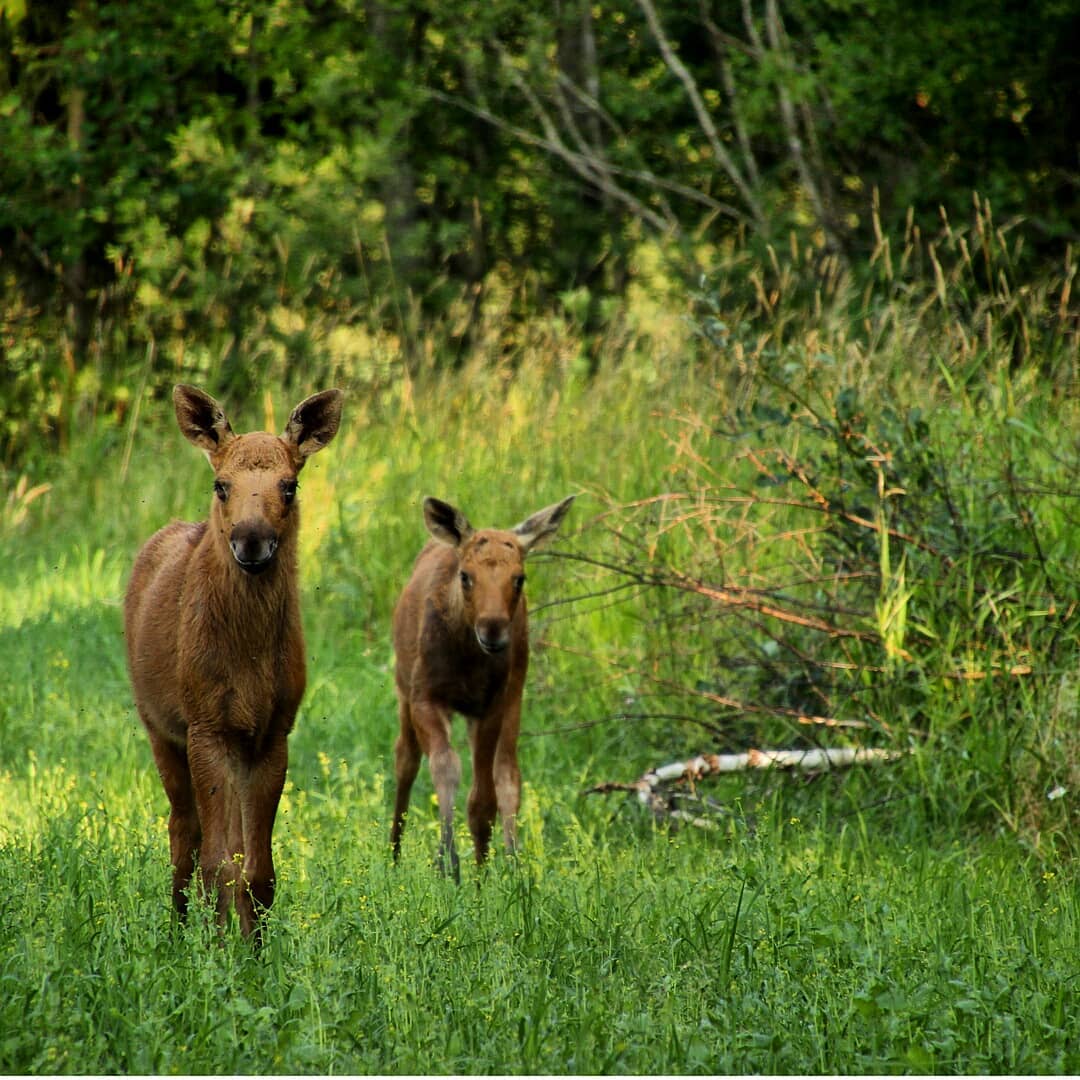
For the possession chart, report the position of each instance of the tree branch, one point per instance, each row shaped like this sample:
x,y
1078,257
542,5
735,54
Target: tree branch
x,y
654,789
551,142
721,44
720,153
802,718
778,43
646,176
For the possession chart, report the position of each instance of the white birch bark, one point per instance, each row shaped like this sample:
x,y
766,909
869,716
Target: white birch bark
x,y
652,786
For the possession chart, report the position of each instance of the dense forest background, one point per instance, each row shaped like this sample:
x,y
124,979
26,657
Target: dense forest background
x,y
260,187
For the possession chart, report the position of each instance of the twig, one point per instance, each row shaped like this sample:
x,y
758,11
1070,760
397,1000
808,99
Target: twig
x,y
559,601
720,699
821,504
777,41
683,718
734,596
721,43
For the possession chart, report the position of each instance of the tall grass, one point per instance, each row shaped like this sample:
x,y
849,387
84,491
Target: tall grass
x,y
916,917
816,945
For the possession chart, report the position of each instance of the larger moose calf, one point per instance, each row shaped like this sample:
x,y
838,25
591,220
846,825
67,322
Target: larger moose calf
x,y
461,642
216,650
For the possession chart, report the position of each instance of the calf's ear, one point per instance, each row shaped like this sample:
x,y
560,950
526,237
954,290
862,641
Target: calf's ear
x,y
314,422
446,523
544,523
202,420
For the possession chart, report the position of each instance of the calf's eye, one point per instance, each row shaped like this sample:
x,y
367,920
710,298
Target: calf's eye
x,y
288,490
466,580
221,490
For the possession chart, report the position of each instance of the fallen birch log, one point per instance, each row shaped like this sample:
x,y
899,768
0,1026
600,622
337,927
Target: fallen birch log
x,y
652,788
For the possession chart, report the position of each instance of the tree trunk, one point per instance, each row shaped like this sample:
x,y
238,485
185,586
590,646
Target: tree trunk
x,y
75,270
398,187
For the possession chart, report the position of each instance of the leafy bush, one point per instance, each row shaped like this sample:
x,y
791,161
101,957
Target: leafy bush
x,y
855,540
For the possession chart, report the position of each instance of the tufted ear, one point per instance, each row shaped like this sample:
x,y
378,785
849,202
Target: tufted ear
x,y
314,422
446,523
544,523
201,419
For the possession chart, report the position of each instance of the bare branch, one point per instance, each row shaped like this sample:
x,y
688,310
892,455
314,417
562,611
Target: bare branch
x,y
720,153
732,596
592,153
756,45
647,176
722,44
778,43
585,166
684,718
671,686
658,789
551,142
561,600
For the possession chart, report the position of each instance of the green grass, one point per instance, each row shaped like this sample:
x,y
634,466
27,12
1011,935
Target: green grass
x,y
805,946
919,917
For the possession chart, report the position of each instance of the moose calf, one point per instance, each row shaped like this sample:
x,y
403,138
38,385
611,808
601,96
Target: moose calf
x,y
461,644
216,651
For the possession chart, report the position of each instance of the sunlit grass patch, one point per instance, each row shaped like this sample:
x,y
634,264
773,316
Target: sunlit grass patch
x,y
78,576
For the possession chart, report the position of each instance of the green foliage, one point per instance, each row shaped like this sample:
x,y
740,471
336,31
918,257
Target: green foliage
x,y
972,88
247,189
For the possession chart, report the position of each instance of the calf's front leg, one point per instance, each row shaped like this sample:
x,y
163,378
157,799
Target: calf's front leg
x,y
507,775
220,814
482,804
184,831
260,794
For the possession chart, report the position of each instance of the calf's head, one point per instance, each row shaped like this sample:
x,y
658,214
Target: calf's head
x,y
491,565
255,474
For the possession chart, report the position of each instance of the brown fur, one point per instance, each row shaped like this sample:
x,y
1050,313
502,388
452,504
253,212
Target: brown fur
x,y
216,651
461,641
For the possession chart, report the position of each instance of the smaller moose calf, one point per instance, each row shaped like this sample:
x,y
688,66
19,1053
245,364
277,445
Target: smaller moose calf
x,y
461,642
216,650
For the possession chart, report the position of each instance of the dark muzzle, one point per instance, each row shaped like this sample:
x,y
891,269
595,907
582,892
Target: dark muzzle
x,y
253,546
493,635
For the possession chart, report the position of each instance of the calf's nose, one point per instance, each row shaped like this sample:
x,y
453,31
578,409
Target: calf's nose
x,y
493,634
253,546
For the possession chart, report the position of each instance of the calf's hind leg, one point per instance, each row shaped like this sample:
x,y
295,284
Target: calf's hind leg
x,y
406,765
431,727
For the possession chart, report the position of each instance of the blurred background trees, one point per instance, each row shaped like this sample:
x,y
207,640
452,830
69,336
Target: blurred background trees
x,y
248,184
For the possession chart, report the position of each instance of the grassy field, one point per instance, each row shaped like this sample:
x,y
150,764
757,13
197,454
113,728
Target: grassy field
x,y
918,917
